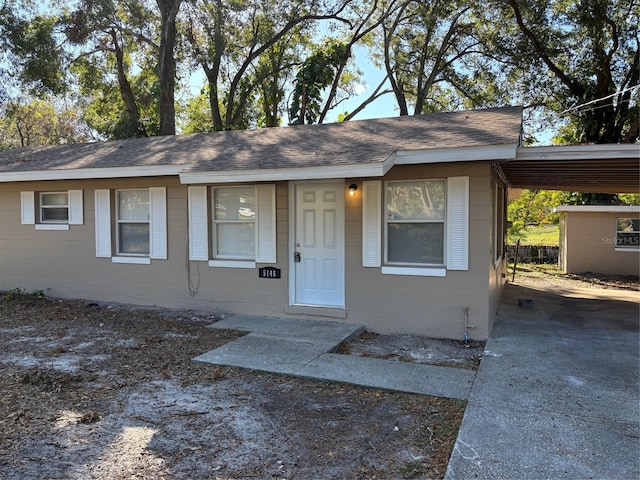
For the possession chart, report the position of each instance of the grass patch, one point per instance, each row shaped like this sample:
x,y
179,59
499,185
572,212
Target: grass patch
x,y
541,235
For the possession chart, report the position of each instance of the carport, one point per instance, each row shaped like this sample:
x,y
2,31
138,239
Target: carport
x,y
556,395
609,168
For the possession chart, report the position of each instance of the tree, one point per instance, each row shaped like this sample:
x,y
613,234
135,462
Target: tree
x,y
39,123
533,207
116,37
317,73
229,39
29,48
167,65
110,32
577,60
431,55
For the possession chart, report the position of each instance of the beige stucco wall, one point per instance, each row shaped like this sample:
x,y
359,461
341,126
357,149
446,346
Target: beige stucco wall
x,y
431,305
63,263
588,244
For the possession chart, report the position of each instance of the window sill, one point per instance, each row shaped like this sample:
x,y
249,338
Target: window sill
x,y
52,226
132,260
415,271
232,263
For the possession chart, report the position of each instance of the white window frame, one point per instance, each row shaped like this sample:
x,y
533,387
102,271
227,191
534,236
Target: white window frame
x,y
414,268
456,230
31,213
43,207
119,221
623,248
201,198
215,223
105,201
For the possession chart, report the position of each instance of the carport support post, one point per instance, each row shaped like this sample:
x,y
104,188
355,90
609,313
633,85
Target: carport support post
x,y
515,261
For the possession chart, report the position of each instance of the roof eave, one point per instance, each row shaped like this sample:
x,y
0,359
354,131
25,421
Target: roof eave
x,y
579,152
457,154
377,169
93,173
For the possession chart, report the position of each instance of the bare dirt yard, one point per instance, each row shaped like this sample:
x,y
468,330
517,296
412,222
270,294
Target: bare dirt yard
x,y
548,276
98,391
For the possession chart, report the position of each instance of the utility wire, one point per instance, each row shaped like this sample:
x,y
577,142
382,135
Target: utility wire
x,y
599,99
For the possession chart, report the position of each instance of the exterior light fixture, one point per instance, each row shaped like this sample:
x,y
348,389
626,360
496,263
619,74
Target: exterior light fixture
x,y
352,189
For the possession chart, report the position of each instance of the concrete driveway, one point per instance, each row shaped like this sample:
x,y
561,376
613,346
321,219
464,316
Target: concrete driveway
x,y
557,394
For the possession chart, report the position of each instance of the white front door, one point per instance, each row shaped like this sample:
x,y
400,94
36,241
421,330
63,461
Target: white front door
x,y
319,244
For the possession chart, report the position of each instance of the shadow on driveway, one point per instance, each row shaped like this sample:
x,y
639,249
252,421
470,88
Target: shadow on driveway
x,y
557,392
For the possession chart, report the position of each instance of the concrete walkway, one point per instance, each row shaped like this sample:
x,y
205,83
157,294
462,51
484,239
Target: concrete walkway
x,y
303,348
557,393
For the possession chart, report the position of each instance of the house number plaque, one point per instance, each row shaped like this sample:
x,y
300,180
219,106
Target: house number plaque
x,y
269,272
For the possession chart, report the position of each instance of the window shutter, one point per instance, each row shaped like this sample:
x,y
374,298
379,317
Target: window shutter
x,y
28,208
266,224
103,223
458,223
158,222
198,223
371,223
76,214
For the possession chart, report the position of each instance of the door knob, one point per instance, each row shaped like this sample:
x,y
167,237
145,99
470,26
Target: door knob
x,y
296,257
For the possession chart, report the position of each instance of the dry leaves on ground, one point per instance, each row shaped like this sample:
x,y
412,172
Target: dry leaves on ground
x,y
103,391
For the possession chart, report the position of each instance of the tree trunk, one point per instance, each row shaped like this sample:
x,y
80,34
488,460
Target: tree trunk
x,y
126,92
166,65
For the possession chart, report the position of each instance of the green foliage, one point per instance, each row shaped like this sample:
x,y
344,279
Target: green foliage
x,y
432,55
39,123
629,198
34,51
533,207
22,294
316,73
197,114
560,54
262,58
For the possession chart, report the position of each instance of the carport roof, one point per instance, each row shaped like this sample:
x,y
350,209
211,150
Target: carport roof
x,y
610,168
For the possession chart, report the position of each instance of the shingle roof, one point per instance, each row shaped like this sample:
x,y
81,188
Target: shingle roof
x,y
354,142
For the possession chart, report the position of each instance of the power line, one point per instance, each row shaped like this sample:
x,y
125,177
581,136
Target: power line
x,y
598,99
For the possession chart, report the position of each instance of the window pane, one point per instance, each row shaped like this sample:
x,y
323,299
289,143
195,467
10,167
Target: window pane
x,y
55,199
134,238
416,243
628,224
628,232
630,239
234,203
235,240
133,205
55,214
421,200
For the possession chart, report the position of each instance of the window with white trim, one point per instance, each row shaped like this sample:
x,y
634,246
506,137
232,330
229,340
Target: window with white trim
x,y
132,219
415,222
138,225
628,233
416,227
232,226
54,207
234,223
54,210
